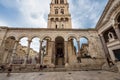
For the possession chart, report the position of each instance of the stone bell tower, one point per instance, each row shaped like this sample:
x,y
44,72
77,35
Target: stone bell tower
x,y
59,16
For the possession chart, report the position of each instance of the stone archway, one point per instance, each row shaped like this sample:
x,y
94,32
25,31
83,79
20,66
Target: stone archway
x,y
59,50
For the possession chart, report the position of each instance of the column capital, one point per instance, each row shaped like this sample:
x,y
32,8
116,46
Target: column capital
x,y
101,35
16,41
78,41
29,41
40,40
65,40
52,41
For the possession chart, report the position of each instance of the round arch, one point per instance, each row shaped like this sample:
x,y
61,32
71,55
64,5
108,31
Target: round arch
x,y
23,37
47,38
117,18
35,37
59,37
55,36
71,36
11,37
10,42
113,11
84,37
114,14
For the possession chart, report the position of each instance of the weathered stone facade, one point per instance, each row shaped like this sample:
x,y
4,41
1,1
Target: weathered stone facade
x,y
59,34
108,29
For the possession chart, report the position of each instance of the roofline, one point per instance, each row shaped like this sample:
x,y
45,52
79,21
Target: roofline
x,y
103,14
10,28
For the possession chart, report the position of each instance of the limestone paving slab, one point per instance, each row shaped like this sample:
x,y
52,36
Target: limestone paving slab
x,y
71,75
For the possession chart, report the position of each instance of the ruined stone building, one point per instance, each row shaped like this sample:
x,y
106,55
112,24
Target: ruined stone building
x,y
103,41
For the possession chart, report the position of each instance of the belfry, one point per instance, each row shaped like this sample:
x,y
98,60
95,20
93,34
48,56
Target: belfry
x,y
59,16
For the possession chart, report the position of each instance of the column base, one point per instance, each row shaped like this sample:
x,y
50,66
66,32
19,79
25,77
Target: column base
x,y
10,64
52,65
23,65
67,65
118,65
37,66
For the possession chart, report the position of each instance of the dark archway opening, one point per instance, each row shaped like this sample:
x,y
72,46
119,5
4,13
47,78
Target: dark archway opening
x,y
59,45
117,54
118,20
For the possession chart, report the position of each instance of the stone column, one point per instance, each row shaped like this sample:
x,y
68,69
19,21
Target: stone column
x,y
52,54
117,31
27,54
66,53
14,52
104,44
40,61
79,55
107,55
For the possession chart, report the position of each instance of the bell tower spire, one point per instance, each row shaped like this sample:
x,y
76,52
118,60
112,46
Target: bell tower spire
x,y
59,16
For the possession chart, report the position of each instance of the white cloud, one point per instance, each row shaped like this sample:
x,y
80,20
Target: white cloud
x,y
85,13
35,44
33,12
2,23
24,41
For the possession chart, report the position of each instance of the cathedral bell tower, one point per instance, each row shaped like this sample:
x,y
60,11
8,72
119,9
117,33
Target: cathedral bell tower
x,y
59,16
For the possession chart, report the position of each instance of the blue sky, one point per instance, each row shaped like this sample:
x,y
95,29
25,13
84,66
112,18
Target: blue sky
x,y
34,13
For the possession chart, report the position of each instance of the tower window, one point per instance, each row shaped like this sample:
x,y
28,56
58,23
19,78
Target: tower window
x,y
62,25
66,19
56,11
62,11
61,1
62,19
56,1
56,26
52,19
56,19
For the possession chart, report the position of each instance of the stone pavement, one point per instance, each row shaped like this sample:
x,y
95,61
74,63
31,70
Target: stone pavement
x,y
71,75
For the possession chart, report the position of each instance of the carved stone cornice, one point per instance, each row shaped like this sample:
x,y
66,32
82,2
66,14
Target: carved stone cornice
x,y
106,16
51,29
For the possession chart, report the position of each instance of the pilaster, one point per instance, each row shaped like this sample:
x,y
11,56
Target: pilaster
x,y
14,52
40,61
117,31
79,55
105,48
66,54
28,51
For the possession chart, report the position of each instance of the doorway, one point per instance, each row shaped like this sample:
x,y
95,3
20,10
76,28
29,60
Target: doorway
x,y
117,54
59,47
